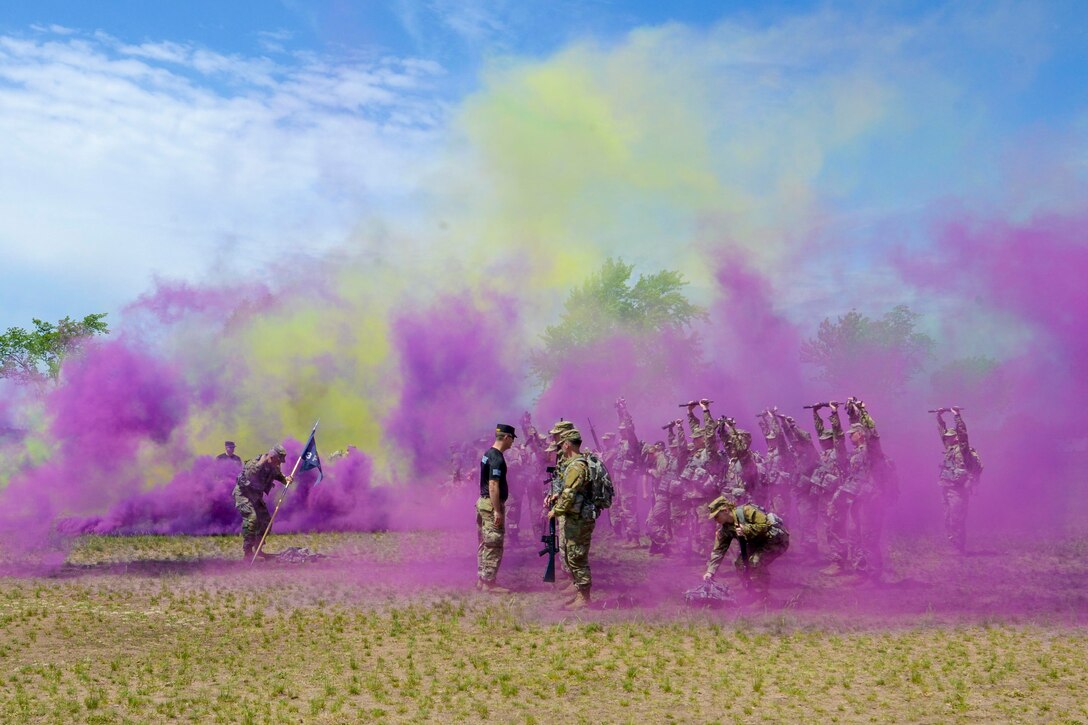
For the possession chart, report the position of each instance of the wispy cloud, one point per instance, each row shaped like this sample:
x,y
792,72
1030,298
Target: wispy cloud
x,y
122,161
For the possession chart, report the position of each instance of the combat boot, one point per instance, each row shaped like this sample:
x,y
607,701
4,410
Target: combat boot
x,y
581,600
835,569
493,588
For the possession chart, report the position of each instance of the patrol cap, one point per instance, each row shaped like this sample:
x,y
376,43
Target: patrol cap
x,y
571,435
229,444
560,427
507,429
950,433
827,435
720,504
860,430
278,450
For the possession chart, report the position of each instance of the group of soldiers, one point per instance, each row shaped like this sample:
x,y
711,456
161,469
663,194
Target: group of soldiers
x,y
706,482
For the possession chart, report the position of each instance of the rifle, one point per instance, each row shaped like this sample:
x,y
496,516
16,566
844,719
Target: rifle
x,y
551,548
693,403
945,410
814,406
596,440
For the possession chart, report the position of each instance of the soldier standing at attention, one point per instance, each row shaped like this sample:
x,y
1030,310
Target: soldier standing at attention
x,y
228,455
257,478
575,505
491,509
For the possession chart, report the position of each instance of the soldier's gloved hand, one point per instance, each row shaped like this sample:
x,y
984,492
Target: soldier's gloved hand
x,y
290,480
708,577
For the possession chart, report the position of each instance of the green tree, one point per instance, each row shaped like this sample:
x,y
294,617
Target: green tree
x,y
36,355
607,305
856,349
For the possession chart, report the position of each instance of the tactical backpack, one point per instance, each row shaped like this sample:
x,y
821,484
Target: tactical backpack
x,y
709,594
601,490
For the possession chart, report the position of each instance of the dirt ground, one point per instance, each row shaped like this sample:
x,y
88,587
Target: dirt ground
x,y
389,629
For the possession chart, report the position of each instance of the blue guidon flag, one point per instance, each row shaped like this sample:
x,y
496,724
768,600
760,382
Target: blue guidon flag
x,y
310,459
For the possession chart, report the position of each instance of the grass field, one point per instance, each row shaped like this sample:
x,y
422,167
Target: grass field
x,y
150,629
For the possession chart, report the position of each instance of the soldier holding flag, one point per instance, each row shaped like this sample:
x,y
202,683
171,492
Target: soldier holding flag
x,y
257,478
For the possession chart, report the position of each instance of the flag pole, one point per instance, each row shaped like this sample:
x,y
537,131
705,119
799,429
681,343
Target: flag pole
x,y
283,495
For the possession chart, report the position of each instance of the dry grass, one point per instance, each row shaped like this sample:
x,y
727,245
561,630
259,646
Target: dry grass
x,y
148,629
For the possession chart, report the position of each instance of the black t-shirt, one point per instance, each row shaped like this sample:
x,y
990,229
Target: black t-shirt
x,y
492,468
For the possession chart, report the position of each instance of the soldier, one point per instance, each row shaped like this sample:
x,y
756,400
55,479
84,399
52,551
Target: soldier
x,y
575,505
777,466
534,465
764,539
491,509
627,469
959,472
701,477
228,455
744,477
516,479
879,491
846,551
667,513
256,479
658,520
554,489
807,460
825,479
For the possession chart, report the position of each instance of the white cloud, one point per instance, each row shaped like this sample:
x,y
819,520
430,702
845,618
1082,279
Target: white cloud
x,y
122,161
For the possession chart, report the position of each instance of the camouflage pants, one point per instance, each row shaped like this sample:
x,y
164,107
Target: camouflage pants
x,y
255,516
869,556
808,516
761,552
578,534
840,538
625,513
561,542
491,537
659,521
955,515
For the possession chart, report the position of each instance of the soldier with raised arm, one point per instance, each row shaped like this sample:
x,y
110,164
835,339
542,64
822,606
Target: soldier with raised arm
x,y
958,472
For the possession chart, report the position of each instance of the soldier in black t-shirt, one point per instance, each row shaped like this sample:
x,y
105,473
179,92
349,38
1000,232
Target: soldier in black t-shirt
x,y
491,508
228,455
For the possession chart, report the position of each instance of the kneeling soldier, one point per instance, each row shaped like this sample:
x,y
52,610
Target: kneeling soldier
x,y
762,536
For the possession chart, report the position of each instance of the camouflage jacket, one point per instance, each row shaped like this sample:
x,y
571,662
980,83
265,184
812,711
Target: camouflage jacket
x,y
757,528
574,496
859,478
828,474
777,468
259,475
697,477
953,467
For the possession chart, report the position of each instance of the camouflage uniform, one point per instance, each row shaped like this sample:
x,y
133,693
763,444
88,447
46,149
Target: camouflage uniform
x,y
841,510
623,466
666,517
766,537
579,520
516,485
956,479
257,478
878,494
658,522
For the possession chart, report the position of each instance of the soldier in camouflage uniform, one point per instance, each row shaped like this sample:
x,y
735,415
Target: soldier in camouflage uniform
x,y
555,487
780,464
534,465
668,491
958,474
574,504
257,478
765,536
701,477
744,476
878,494
825,479
625,466
848,544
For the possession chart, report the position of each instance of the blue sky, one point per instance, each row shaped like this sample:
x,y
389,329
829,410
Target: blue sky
x,y
201,140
